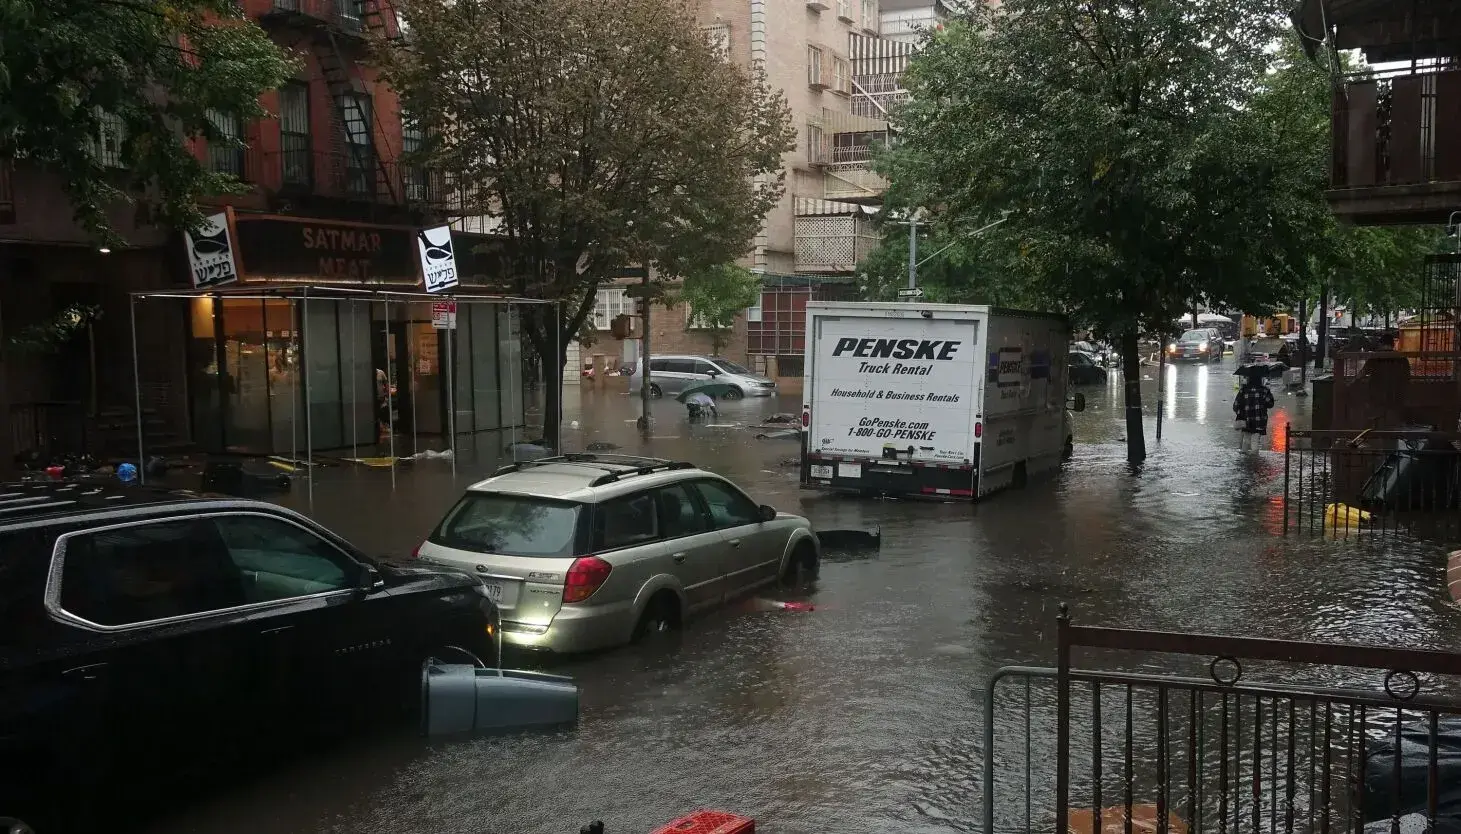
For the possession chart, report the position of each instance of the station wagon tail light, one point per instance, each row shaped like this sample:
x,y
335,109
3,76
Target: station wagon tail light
x,y
416,551
586,575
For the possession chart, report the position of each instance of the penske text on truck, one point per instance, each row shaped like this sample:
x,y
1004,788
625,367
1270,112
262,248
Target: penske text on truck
x,y
933,400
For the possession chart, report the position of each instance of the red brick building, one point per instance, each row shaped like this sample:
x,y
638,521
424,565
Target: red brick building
x,y
325,172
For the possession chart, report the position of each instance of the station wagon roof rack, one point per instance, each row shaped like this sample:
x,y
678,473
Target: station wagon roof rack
x,y
618,466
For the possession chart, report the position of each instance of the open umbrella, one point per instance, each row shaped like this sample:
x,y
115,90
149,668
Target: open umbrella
x,y
709,388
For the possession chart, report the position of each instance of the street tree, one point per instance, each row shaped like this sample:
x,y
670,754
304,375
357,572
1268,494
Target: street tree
x,y
595,137
714,297
133,80
1115,135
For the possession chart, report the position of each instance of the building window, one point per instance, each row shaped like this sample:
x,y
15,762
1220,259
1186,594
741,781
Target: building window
x,y
413,176
350,13
841,76
754,313
111,133
870,15
719,37
816,145
814,66
609,303
355,113
844,10
294,144
226,156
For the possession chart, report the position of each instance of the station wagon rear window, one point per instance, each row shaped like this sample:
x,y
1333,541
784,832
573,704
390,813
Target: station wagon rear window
x,y
511,525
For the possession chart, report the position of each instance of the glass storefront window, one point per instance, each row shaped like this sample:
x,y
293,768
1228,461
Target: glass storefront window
x,y
284,403
321,341
482,321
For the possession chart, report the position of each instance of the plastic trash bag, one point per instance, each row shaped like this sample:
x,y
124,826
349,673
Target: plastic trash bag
x,y
1381,803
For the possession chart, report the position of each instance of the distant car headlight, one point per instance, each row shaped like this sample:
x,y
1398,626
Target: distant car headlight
x,y
1202,347
1172,348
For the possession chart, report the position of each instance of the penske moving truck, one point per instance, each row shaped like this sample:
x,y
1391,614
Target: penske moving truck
x,y
938,401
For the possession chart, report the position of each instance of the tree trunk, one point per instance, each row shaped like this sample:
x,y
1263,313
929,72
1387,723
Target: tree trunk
x,y
1131,369
1322,349
553,353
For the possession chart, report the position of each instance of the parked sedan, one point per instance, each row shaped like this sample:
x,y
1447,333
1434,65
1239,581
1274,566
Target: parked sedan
x,y
585,551
1085,370
144,633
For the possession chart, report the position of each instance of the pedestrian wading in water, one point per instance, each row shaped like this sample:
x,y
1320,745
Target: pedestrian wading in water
x,y
1250,409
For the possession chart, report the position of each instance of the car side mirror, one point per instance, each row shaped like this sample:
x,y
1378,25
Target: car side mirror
x,y
1078,403
712,374
367,582
767,512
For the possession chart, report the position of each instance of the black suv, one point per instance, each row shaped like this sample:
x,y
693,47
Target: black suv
x,y
151,634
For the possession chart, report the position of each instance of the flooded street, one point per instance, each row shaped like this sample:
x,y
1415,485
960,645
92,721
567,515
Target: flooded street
x,y
864,714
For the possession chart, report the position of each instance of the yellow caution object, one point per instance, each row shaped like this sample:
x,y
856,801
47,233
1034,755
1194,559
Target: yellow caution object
x,y
1343,515
375,463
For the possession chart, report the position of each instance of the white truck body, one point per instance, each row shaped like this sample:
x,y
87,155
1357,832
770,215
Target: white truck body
x,y
934,400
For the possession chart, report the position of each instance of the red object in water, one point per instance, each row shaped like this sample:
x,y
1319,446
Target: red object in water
x,y
797,606
55,471
709,822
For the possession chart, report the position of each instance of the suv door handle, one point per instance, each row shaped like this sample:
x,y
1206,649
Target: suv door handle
x,y
279,630
735,542
679,558
84,673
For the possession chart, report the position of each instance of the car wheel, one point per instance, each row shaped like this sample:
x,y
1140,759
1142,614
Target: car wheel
x,y
1019,477
655,391
661,615
733,394
803,566
1069,451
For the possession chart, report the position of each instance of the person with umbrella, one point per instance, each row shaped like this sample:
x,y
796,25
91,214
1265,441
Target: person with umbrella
x,y
699,397
1250,407
698,403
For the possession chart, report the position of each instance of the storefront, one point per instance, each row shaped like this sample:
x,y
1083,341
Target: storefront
x,y
303,300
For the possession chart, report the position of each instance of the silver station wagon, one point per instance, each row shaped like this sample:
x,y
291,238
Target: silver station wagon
x,y
587,551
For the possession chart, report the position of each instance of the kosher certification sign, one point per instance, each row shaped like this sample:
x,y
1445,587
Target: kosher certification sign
x,y
210,253
438,261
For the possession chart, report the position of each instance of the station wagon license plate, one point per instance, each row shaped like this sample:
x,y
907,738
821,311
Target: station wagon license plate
x,y
494,591
821,472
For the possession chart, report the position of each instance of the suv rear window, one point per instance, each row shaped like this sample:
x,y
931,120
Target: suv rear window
x,y
511,525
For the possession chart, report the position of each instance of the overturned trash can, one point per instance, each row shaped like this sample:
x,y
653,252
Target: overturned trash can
x,y
462,698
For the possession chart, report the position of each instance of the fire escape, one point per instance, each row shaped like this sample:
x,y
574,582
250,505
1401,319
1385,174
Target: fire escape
x,y
356,166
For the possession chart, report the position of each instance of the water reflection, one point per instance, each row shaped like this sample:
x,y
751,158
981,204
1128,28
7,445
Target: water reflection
x,y
865,713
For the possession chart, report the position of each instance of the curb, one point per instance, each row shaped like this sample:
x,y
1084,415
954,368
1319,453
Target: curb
x,y
1453,575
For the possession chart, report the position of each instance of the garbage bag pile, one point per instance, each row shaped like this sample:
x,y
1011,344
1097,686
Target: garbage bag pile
x,y
1381,801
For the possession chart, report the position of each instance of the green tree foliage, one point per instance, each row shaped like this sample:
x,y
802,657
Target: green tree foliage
x,y
716,295
1116,135
599,135
955,268
154,66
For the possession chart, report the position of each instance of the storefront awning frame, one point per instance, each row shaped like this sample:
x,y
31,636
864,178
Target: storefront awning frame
x,y
303,293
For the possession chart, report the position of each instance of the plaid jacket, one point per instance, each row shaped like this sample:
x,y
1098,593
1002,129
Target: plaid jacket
x,y
1251,406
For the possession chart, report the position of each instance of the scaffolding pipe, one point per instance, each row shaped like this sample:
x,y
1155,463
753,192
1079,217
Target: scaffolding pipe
x,y
390,396
309,420
451,393
137,397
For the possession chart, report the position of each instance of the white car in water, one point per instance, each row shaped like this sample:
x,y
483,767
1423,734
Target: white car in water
x,y
588,551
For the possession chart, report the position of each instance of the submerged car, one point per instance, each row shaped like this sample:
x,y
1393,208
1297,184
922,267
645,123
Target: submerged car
x,y
1084,369
145,633
673,374
588,551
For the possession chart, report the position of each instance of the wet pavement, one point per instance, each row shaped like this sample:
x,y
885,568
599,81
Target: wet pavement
x,y
864,714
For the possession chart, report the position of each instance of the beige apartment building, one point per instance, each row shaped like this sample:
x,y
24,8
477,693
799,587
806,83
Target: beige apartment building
x,y
840,77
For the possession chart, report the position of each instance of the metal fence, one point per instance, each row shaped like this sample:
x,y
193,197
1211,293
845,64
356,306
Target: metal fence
x,y
1350,483
1109,752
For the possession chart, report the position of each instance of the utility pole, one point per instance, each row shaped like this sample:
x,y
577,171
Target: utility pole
x,y
913,250
644,396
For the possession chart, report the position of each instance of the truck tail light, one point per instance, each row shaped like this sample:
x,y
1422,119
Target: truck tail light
x,y
586,575
978,430
806,416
